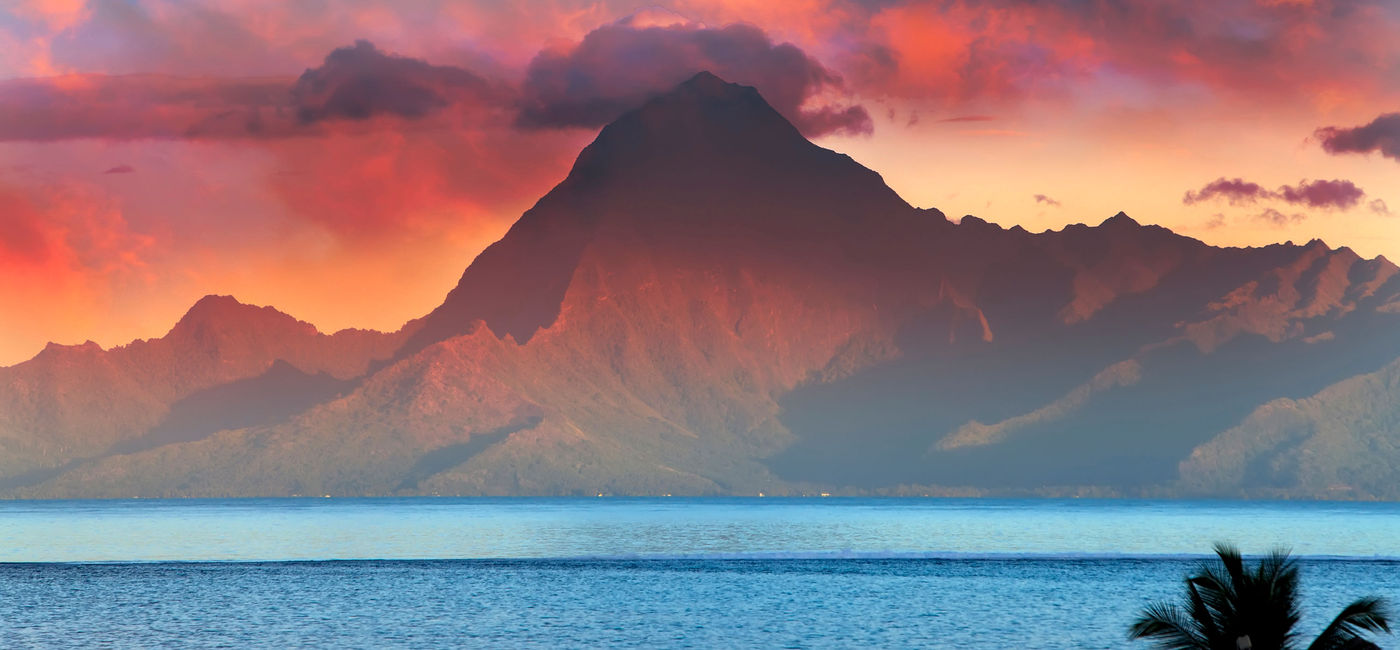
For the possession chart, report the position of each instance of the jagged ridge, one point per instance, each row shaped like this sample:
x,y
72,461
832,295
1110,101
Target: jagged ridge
x,y
709,303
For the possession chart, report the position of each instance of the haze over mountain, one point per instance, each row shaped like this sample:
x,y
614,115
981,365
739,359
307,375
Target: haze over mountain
x,y
710,303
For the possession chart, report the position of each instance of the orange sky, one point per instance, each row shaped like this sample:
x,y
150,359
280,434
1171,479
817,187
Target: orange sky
x,y
154,151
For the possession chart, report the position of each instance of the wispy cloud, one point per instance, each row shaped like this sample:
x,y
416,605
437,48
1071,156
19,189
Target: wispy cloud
x,y
1002,132
1279,219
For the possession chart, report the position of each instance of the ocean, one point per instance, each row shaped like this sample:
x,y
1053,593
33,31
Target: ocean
x,y
647,572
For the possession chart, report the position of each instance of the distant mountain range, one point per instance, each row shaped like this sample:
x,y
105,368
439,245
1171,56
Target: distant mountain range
x,y
711,304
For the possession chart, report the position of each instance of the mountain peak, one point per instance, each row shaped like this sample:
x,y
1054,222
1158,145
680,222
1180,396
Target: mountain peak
x,y
707,83
1120,220
215,313
706,91
215,301
705,86
212,307
53,348
978,224
702,118
707,164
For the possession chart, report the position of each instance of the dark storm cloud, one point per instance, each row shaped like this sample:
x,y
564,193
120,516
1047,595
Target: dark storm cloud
x,y
617,67
360,81
1380,135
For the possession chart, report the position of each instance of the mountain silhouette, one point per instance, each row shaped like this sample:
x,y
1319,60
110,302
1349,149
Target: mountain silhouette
x,y
687,170
709,303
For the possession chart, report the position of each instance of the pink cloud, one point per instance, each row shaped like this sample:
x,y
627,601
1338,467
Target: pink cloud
x,y
1005,51
1235,190
1322,194
956,52
354,83
1333,194
55,233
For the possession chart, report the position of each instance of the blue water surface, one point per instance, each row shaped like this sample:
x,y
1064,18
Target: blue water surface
x,y
430,572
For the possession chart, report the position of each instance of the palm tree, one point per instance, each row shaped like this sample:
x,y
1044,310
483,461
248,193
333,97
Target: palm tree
x,y
1228,607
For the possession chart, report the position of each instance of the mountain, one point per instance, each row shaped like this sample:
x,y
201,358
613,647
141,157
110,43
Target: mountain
x,y
71,403
1340,442
711,304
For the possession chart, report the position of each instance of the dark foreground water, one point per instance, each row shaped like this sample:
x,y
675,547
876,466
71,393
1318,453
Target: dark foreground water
x,y
644,572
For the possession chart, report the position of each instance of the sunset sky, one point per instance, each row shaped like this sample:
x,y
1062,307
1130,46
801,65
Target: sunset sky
x,y
345,161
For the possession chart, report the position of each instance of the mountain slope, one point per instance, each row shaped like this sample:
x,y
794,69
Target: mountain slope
x,y
1343,442
75,402
709,303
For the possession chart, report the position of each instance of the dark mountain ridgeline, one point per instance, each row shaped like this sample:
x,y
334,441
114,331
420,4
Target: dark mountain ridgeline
x,y
710,303
689,171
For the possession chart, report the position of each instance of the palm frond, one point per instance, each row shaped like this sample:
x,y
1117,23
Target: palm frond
x,y
1233,562
1366,615
1217,591
1227,599
1201,613
1169,627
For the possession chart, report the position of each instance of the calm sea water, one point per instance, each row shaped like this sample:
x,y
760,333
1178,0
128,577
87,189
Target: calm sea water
x,y
427,572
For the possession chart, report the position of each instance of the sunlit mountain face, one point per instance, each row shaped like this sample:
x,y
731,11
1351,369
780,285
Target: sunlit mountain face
x,y
710,303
